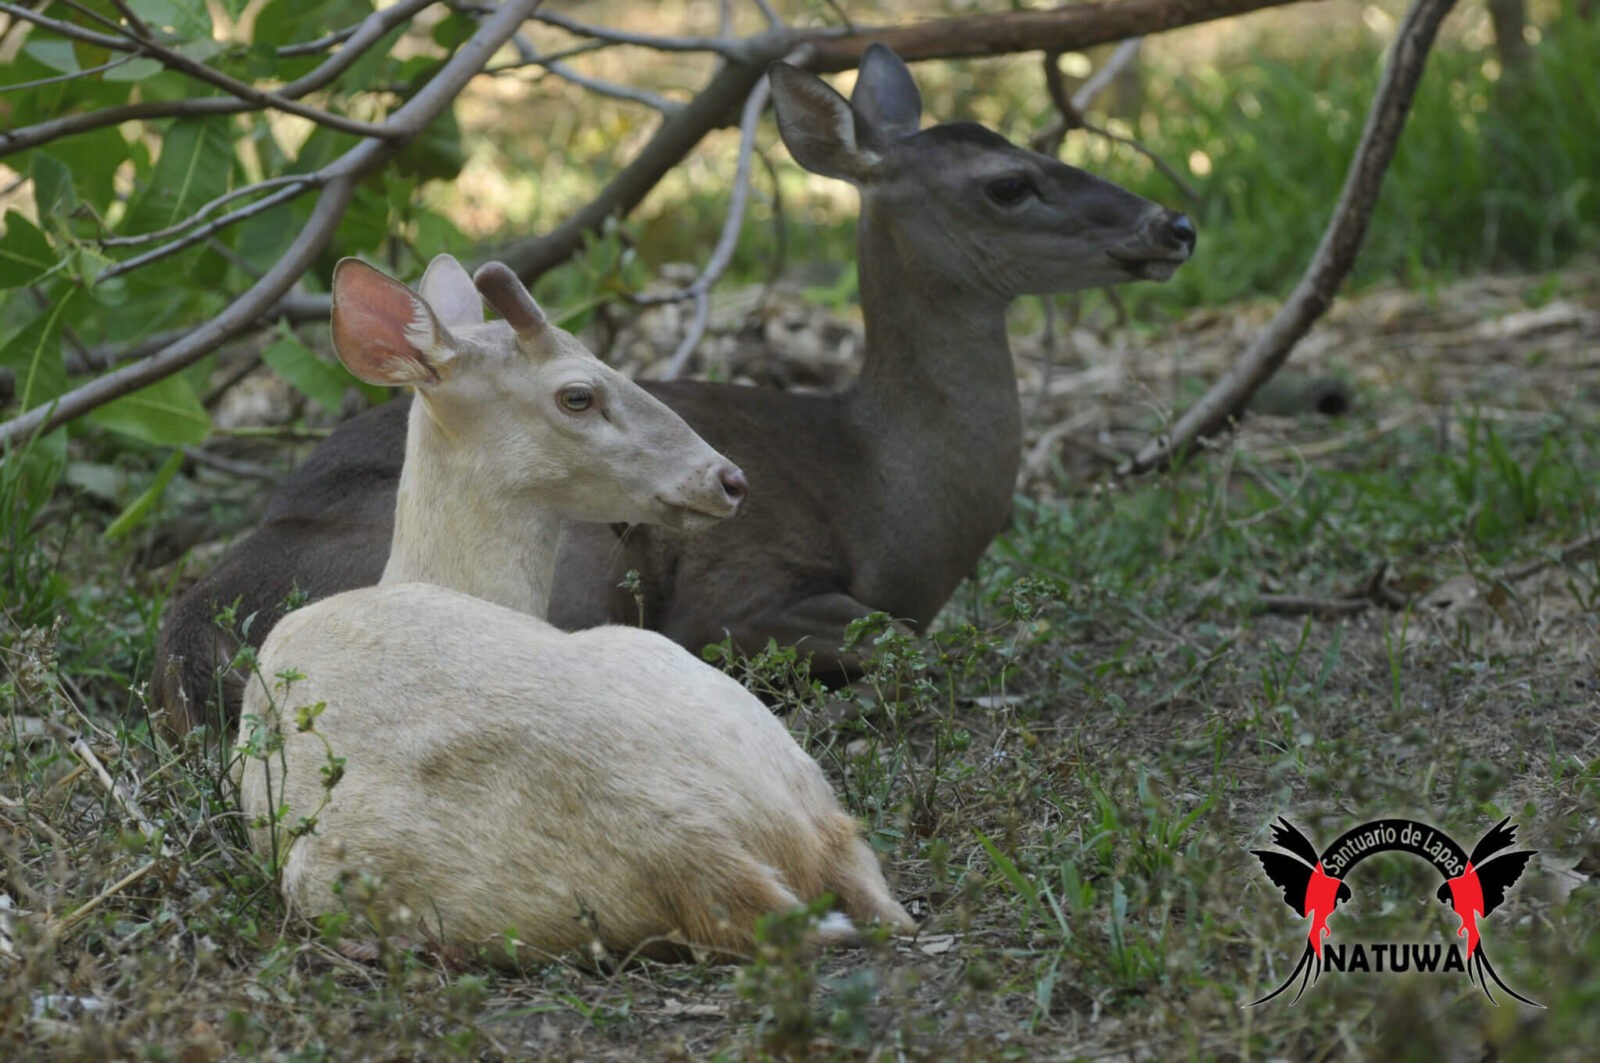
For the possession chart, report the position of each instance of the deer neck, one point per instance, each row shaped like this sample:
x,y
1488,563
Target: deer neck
x,y
937,354
454,530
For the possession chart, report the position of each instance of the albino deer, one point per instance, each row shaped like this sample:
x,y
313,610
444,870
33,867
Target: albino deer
x,y
882,497
505,780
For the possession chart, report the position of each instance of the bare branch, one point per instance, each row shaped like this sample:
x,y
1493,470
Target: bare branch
x,y
1074,26
528,55
728,240
384,21
199,215
283,195
1335,254
175,60
75,75
1103,75
732,49
370,32
338,184
771,15
68,29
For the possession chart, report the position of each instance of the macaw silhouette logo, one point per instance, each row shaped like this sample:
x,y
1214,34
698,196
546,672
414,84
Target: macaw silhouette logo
x,y
1308,889
1314,885
1480,889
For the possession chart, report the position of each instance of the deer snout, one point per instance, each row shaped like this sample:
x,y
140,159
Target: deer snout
x,y
734,487
1180,230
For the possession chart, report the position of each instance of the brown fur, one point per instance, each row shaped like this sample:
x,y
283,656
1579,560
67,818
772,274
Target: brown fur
x,y
882,497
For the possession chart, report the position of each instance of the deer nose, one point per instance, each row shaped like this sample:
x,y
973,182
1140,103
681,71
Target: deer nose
x,y
733,483
1182,230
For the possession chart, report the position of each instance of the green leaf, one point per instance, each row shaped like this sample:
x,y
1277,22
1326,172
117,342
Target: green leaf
x,y
195,166
129,518
188,19
322,382
34,354
54,52
25,254
136,69
434,154
283,22
166,413
52,185
90,160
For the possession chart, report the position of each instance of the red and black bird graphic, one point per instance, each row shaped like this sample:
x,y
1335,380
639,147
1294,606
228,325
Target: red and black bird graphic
x,y
1479,890
1309,890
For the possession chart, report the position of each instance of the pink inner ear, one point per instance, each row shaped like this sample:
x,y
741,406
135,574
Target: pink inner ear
x,y
370,315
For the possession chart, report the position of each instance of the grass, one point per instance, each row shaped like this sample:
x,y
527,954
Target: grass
x,y
1064,780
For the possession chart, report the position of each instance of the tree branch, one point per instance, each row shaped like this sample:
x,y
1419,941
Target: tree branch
x,y
338,179
371,30
1064,29
728,239
1335,254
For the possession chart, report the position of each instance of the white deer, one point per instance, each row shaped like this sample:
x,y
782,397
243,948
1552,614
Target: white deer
x,y
504,783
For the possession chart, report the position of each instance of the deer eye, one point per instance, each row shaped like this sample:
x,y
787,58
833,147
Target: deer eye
x,y
1008,191
576,398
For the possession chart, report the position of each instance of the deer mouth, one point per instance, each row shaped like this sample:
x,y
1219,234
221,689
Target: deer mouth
x,y
1150,267
689,518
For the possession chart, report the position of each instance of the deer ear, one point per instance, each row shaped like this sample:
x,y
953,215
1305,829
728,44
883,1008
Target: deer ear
x,y
383,331
885,95
512,301
448,290
819,126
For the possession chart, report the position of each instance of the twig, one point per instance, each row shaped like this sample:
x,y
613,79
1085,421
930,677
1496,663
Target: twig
x,y
175,60
101,69
1573,551
370,32
283,195
529,56
390,18
771,15
1070,113
83,911
732,49
243,470
728,240
1335,254
532,58
197,216
119,793
338,181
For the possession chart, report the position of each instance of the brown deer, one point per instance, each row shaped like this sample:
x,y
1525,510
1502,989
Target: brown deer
x,y
879,498
501,783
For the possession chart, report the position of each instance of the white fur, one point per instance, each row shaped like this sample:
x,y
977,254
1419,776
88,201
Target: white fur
x,y
505,781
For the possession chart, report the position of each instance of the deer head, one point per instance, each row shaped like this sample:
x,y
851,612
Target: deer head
x,y
971,208
521,407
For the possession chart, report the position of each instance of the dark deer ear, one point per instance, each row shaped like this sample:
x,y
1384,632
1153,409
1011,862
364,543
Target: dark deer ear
x,y
384,332
819,126
885,95
448,290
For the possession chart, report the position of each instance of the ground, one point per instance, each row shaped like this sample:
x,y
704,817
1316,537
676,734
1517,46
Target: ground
x,y
1386,612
